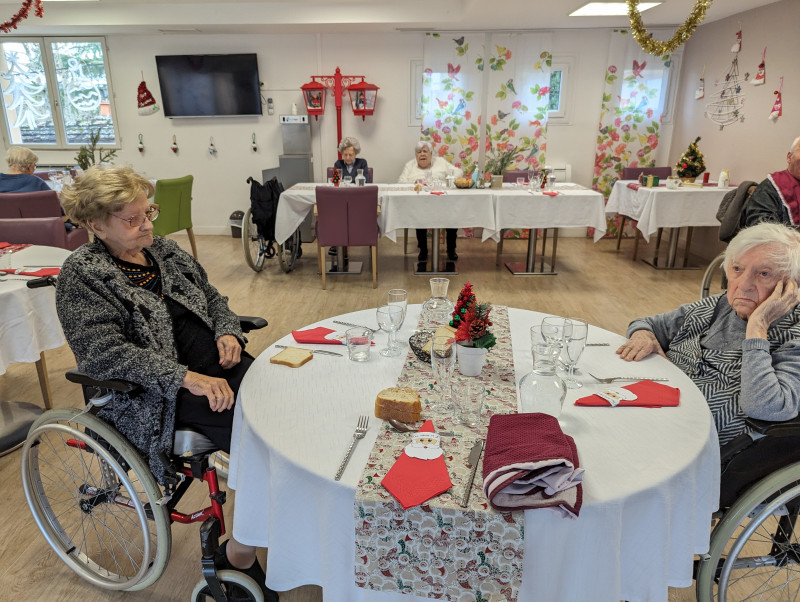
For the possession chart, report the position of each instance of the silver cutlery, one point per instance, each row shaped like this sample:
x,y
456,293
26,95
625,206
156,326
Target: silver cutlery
x,y
597,344
474,456
355,325
611,379
361,430
315,351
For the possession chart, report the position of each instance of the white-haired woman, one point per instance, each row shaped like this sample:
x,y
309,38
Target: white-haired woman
x,y
424,166
21,165
742,347
350,163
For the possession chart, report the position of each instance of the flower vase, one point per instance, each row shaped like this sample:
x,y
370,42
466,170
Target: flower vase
x,y
470,359
688,178
497,182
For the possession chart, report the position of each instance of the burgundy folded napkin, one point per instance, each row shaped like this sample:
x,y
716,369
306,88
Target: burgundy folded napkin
x,y
634,185
548,193
40,272
648,395
530,463
317,336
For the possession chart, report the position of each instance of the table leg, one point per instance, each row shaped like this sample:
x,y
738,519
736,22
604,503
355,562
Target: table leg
x,y
528,268
353,267
674,235
672,252
689,232
44,382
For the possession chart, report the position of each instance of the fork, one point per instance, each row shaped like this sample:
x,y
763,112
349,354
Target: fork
x,y
611,379
361,430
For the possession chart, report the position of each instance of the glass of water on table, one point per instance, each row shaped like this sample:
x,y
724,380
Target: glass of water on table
x,y
398,297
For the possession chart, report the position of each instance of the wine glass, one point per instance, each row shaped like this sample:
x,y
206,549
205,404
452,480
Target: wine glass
x,y
389,319
443,362
398,297
574,343
535,182
555,329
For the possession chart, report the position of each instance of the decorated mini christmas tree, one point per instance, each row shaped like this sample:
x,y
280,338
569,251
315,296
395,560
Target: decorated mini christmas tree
x,y
691,164
471,320
335,178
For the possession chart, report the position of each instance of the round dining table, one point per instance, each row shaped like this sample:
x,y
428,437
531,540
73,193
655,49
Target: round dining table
x,y
650,486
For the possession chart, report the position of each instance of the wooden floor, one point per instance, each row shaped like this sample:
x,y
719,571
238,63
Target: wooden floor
x,y
593,281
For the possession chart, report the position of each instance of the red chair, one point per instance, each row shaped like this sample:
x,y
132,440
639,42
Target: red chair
x,y
41,204
347,217
47,231
633,173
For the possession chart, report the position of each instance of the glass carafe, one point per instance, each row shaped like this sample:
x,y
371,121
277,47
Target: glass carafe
x,y
437,310
542,390
360,179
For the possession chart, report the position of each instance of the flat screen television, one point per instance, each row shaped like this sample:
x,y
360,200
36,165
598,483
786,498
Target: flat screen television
x,y
209,85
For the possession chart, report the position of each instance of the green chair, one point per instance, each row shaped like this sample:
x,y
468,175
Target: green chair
x,y
174,198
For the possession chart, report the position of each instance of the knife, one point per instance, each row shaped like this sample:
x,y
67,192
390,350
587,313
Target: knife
x,y
597,344
474,456
355,325
322,351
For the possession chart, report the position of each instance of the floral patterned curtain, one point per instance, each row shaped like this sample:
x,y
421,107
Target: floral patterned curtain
x,y
630,118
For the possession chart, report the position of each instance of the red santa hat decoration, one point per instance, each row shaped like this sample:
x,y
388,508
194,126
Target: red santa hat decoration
x,y
147,104
777,107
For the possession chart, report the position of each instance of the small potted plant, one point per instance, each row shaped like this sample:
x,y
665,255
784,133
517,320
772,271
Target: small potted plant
x,y
92,154
498,161
471,321
691,163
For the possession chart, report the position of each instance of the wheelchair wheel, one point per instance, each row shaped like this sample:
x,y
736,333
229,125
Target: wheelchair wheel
x,y
289,251
714,280
94,499
755,552
255,247
237,586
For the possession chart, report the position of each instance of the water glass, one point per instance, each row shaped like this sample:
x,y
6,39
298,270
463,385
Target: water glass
x,y
398,297
468,400
521,182
347,180
551,183
574,344
359,341
555,329
535,183
389,318
443,362
538,339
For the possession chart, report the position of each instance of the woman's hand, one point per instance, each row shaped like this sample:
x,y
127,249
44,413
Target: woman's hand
x,y
784,297
219,393
641,344
230,351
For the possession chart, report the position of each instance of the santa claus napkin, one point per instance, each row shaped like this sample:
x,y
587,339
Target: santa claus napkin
x,y
648,395
420,472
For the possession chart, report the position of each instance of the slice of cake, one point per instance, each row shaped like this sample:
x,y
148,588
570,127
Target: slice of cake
x,y
399,403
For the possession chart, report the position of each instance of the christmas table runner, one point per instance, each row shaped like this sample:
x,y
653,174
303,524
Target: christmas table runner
x,y
439,549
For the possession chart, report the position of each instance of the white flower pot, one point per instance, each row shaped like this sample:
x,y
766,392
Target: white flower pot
x,y
470,360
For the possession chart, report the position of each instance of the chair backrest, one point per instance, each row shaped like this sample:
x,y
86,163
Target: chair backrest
x,y
42,203
47,231
362,216
368,174
174,198
511,175
731,210
633,173
332,216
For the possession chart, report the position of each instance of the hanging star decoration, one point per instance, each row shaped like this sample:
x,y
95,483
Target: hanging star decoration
x,y
22,13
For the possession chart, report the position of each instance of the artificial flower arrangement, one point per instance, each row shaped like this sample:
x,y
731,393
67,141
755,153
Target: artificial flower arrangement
x,y
471,320
691,163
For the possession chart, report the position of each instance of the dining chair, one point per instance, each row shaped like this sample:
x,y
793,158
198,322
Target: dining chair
x,y
174,198
633,173
41,204
511,175
48,231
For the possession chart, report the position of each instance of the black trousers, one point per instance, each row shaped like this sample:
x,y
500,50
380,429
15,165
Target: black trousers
x,y
450,237
194,411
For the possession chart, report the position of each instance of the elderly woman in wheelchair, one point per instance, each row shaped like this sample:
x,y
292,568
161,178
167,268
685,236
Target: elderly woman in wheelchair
x,y
137,308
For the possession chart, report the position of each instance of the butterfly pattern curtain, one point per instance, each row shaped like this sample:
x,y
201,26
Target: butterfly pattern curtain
x,y
630,114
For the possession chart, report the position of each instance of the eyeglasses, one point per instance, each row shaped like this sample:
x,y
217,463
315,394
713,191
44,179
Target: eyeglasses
x,y
137,220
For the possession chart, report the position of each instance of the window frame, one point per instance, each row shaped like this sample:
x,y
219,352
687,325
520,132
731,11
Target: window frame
x,y
61,144
565,64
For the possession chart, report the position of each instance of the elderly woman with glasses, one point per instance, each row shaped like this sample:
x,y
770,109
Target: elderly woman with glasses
x,y
136,307
350,163
742,347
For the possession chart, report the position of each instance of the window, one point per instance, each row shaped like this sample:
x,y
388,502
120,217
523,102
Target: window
x,y
56,92
559,90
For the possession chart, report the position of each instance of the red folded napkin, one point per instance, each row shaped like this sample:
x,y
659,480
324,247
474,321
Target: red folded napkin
x,y
3,245
634,185
437,192
648,395
420,472
530,463
548,193
40,272
316,336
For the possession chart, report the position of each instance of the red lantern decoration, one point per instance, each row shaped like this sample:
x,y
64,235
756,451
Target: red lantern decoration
x,y
363,97
314,96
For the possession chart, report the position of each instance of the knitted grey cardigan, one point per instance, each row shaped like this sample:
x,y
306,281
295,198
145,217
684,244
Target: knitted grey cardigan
x,y
118,330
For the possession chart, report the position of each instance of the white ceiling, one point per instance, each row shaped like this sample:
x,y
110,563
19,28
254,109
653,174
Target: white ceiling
x,y
189,17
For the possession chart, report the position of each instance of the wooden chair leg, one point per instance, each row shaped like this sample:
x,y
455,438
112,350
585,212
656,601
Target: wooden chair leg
x,y
190,232
44,382
374,266
499,248
636,236
619,232
321,263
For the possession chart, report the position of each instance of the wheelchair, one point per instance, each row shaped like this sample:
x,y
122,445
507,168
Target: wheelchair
x,y
754,552
100,508
714,280
258,228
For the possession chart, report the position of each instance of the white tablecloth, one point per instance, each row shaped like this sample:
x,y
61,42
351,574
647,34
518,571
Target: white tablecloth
x,y
28,320
652,476
659,207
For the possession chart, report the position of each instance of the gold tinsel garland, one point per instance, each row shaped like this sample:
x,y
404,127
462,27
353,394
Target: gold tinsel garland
x,y
683,33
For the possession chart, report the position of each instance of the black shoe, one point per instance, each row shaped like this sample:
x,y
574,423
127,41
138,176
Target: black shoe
x,y
452,255
423,255
332,251
255,572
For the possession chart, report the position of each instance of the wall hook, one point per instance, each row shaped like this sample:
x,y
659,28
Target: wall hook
x,y
141,143
212,150
255,146
174,146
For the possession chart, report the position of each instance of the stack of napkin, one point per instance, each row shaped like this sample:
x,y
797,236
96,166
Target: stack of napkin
x,y
531,463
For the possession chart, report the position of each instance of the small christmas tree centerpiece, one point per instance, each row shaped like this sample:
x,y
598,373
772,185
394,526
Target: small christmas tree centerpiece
x,y
691,163
335,178
471,320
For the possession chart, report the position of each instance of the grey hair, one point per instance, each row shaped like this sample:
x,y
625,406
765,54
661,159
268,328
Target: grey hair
x,y
349,141
795,144
783,243
21,157
422,144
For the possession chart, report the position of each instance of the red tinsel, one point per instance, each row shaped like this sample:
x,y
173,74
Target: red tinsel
x,y
23,14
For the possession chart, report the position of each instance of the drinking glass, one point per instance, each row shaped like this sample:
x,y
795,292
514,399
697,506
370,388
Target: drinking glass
x,y
551,183
443,361
535,183
398,297
389,319
468,400
521,182
347,180
574,343
555,329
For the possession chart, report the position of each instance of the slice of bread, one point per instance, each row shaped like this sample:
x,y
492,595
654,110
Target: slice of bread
x,y
442,331
399,403
294,357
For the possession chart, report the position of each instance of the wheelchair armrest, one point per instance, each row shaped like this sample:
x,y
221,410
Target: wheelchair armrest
x,y
787,428
123,386
249,323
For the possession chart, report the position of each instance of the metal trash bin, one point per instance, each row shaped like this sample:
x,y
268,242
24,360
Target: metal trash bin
x,y
236,224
